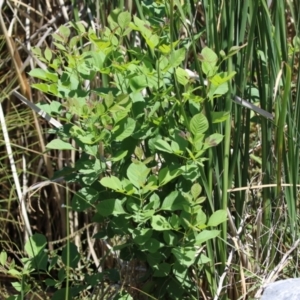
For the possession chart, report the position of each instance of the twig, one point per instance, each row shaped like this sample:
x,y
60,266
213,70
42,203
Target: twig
x,y
42,113
14,171
29,58
64,10
254,187
230,257
10,153
274,274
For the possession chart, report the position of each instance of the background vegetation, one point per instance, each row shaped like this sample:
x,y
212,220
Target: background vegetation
x,y
252,174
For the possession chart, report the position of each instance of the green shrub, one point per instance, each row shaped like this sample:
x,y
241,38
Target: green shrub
x,y
141,133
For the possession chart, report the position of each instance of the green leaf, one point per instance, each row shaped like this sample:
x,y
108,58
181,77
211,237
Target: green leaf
x,y
48,54
52,89
143,216
141,235
154,259
182,76
180,273
123,129
175,221
150,37
151,246
112,21
3,258
35,250
201,219
119,155
58,144
152,40
70,255
206,235
110,207
64,31
43,87
35,244
89,139
221,78
154,202
50,282
165,49
198,124
77,131
296,42
44,74
128,187
36,51
53,108
222,54
160,223
203,259
198,145
123,296
191,154
62,294
94,59
235,49
15,273
162,270
217,91
58,38
219,116
180,138
196,190
137,174
167,174
84,198
18,286
94,279
170,238
137,83
175,148
177,57
78,26
185,255
209,61
217,218
133,206
174,201
139,153
162,145
112,182
200,200
124,19
213,140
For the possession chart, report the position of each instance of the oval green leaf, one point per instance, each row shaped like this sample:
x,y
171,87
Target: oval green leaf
x,y
217,218
137,173
198,124
58,144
